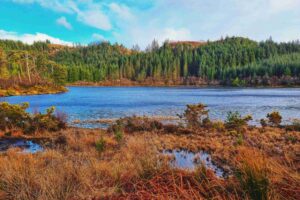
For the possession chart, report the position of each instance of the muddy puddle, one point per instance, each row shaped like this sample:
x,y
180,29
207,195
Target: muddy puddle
x,y
189,160
26,146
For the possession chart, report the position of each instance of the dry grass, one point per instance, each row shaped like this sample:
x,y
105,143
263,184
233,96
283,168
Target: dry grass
x,y
72,168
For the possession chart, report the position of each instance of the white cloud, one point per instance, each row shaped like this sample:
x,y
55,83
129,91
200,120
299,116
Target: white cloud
x,y
94,18
56,5
63,22
284,5
31,38
130,22
175,34
144,35
99,37
121,10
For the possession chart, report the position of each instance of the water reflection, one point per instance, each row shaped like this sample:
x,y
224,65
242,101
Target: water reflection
x,y
188,160
26,146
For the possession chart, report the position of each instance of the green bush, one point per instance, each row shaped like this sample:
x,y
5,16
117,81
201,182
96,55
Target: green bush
x,y
218,125
118,135
235,121
263,123
135,124
100,145
240,139
16,117
196,116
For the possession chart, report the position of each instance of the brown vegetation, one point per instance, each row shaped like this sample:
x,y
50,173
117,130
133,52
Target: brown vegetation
x,y
124,162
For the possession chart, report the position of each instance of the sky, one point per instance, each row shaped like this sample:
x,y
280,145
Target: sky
x,y
131,22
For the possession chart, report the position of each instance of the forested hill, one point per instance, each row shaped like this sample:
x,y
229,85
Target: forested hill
x,y
231,61
28,69
218,62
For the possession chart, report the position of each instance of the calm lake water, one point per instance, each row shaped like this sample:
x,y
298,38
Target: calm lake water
x,y
86,103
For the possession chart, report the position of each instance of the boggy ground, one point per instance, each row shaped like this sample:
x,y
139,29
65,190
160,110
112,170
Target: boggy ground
x,y
263,163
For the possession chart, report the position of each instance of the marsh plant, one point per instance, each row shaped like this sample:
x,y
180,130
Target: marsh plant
x,y
253,174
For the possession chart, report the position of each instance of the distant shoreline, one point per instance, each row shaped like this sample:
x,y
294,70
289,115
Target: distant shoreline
x,y
91,84
38,90
34,90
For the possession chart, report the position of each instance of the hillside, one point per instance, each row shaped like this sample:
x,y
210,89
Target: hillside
x,y
27,69
232,61
218,62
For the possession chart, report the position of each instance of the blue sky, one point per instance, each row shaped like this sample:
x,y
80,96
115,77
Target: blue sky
x,y
140,21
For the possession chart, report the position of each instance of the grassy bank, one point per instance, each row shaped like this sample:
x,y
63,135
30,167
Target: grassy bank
x,y
125,160
32,90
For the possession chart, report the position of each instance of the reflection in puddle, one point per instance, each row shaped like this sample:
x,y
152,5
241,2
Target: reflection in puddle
x,y
27,146
188,160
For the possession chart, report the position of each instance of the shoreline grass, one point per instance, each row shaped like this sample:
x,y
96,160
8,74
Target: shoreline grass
x,y
32,90
123,161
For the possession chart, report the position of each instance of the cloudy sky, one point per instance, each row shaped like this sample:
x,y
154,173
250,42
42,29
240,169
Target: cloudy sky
x,y
140,21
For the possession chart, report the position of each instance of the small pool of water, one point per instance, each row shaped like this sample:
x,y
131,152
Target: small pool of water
x,y
188,160
27,146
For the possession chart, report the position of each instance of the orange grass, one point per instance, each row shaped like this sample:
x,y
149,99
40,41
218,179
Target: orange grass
x,y
72,168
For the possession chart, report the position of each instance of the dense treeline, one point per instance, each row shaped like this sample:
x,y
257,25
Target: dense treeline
x,y
221,61
279,70
229,61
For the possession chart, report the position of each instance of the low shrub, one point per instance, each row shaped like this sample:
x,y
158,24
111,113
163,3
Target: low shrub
x,y
196,115
100,145
47,121
236,122
274,118
240,139
118,135
171,128
218,125
295,126
16,117
135,124
263,123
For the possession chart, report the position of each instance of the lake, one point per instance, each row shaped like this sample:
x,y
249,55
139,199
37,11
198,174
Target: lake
x,y
86,103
